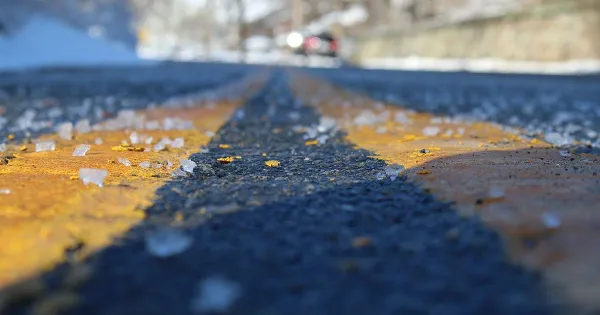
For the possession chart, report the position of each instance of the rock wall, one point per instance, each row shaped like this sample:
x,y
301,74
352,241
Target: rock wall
x,y
554,31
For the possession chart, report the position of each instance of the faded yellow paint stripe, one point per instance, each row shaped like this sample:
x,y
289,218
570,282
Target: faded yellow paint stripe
x,y
466,162
50,210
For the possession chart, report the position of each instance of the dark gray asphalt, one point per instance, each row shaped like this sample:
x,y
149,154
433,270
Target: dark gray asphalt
x,y
568,105
35,101
288,244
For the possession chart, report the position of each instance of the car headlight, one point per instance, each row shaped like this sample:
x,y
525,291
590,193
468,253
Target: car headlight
x,y
295,40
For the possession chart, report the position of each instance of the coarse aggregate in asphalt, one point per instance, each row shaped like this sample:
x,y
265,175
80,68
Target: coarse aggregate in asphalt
x,y
317,235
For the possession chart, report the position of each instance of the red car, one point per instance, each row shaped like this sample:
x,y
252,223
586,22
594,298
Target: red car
x,y
322,44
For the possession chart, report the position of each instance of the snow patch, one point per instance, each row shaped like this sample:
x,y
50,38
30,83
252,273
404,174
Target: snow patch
x,y
47,42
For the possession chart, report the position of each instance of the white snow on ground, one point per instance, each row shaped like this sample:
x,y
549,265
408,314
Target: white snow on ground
x,y
274,57
46,42
484,65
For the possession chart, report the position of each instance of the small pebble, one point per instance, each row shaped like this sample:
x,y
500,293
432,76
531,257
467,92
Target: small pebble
x,y
272,163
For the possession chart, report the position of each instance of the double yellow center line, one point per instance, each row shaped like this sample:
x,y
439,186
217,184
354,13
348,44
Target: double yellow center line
x,y
49,209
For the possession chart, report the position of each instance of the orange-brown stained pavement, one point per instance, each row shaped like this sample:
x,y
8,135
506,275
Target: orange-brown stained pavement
x,y
542,201
49,208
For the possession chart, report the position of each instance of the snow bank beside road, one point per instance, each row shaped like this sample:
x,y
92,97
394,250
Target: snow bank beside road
x,y
484,65
46,42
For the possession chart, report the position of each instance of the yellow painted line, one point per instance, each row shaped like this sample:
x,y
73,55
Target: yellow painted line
x,y
49,208
539,187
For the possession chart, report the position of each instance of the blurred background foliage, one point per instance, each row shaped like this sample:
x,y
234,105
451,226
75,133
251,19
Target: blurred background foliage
x,y
544,30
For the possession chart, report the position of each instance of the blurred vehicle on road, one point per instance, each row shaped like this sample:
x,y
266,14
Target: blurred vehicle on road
x,y
321,44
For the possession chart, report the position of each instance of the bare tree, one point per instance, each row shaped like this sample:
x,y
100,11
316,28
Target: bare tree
x,y
241,28
237,17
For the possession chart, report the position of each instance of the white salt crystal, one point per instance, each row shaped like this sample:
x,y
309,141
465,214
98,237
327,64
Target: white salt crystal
x,y
322,139
44,146
436,120
177,143
81,149
167,242
215,295
124,161
93,175
159,147
162,144
311,133
295,116
431,131
65,131
178,173
496,192
134,138
393,171
402,118
152,125
326,124
557,139
564,153
83,126
551,220
188,165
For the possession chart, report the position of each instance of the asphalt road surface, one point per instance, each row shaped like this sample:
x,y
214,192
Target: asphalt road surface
x,y
294,222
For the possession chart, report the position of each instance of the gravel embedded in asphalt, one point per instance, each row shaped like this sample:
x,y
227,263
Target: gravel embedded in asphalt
x,y
317,235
